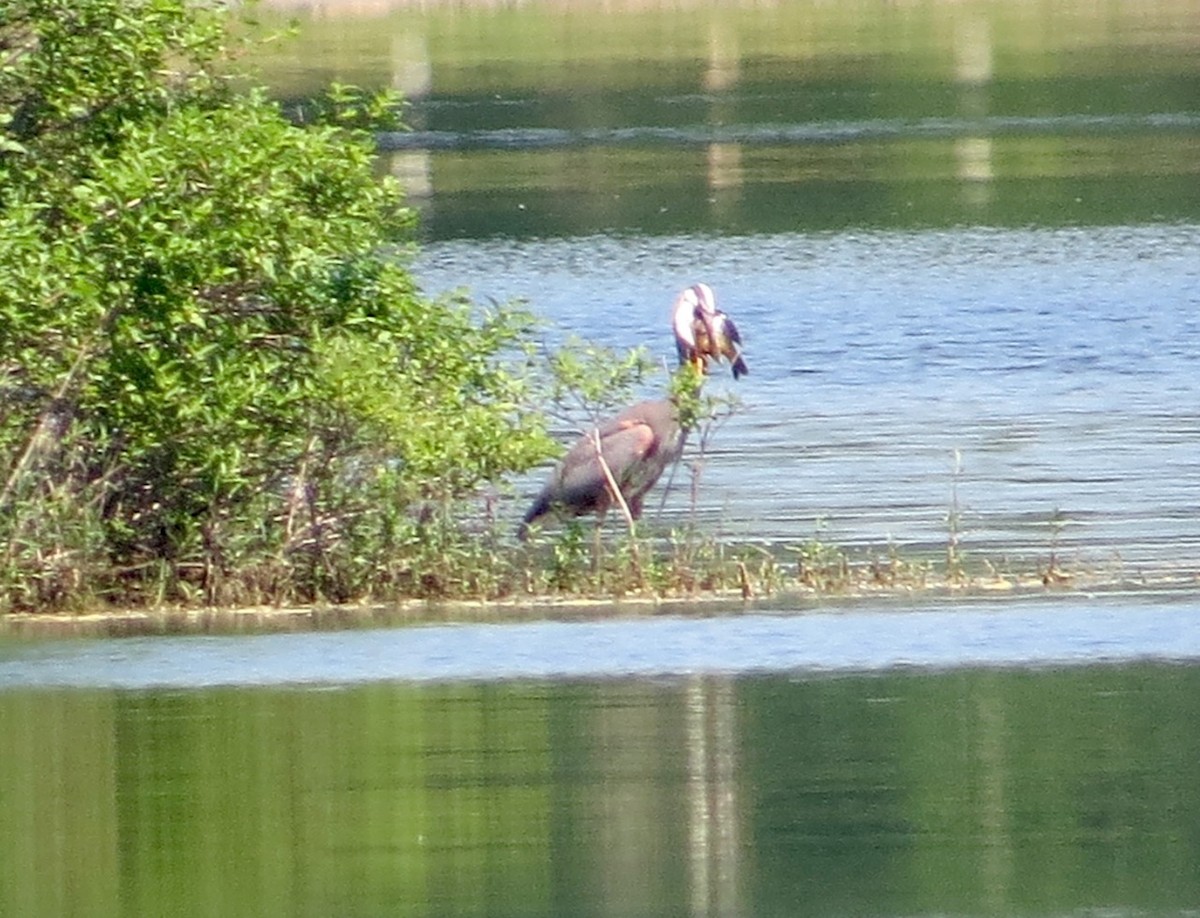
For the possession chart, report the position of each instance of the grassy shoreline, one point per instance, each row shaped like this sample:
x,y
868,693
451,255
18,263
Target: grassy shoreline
x,y
861,587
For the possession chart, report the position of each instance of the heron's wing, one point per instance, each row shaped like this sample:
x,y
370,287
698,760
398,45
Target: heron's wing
x,y
636,445
624,443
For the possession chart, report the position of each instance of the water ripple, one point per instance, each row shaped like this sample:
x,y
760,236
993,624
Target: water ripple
x,y
1061,367
766,134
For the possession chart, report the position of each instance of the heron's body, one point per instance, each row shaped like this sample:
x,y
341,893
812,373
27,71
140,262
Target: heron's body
x,y
636,446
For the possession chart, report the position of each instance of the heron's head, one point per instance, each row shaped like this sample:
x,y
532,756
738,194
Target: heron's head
x,y
706,300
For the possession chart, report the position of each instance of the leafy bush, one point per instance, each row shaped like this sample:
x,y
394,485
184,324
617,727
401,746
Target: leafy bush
x,y
217,379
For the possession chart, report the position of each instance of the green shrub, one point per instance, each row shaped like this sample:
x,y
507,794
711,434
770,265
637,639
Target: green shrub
x,y
217,379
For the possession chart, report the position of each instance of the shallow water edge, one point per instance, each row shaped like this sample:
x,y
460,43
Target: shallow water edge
x,y
969,632
252,620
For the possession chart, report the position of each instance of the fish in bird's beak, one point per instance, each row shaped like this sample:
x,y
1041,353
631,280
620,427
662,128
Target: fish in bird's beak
x,y
724,339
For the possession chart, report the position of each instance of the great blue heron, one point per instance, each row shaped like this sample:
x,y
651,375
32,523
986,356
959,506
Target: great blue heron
x,y
629,452
703,332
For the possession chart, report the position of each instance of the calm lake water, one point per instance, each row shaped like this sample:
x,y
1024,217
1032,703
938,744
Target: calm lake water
x,y
963,243
1033,758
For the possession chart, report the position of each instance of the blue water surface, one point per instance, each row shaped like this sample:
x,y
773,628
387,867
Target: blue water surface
x,y
1041,384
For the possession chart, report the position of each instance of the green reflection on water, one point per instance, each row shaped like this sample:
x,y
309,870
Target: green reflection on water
x,y
973,792
660,119
898,185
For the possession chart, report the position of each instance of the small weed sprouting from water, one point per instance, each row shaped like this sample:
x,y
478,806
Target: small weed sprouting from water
x,y
770,576
689,556
624,573
955,557
894,570
822,567
1053,573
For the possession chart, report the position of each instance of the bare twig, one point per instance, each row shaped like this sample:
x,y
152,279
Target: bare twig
x,y
612,482
621,502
